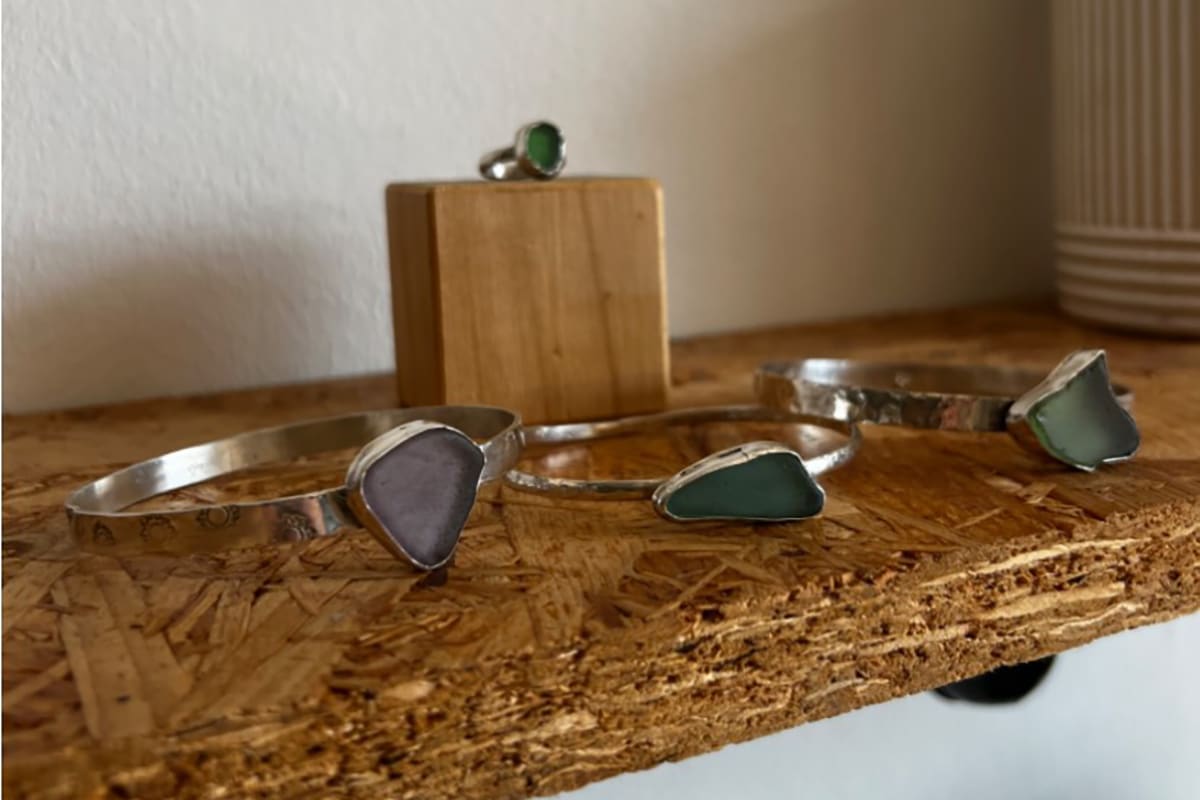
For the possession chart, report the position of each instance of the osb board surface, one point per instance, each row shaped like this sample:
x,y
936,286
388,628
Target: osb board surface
x,y
573,641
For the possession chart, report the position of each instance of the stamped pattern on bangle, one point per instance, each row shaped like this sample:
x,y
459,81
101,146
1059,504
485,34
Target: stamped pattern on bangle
x,y
294,526
215,517
102,534
156,526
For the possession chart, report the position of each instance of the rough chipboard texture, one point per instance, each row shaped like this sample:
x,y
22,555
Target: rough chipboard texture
x,y
578,640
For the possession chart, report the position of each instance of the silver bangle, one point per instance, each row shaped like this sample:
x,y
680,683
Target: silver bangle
x,y
765,481
412,485
1074,413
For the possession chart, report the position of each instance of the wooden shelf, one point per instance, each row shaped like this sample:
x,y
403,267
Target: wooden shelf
x,y
574,641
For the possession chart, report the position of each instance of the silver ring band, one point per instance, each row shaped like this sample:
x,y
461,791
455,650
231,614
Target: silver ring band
x,y
1075,401
411,485
836,443
501,165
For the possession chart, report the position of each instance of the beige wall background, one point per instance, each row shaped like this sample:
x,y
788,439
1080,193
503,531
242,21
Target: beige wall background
x,y
193,191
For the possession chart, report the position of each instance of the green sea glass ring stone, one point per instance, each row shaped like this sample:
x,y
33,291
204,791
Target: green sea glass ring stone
x,y
539,151
758,481
1073,413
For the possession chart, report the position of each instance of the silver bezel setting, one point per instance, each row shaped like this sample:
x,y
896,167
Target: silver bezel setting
x,y
716,462
528,166
367,457
1055,381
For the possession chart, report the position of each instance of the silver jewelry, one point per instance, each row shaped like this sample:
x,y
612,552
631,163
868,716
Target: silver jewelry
x,y
753,481
539,151
411,485
1074,413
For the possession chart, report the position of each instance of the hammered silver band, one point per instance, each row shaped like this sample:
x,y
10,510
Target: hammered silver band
x,y
931,396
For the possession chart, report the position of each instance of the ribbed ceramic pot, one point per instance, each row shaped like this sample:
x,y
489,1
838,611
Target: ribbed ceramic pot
x,y
1127,162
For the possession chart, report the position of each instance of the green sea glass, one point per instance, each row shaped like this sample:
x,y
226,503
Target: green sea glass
x,y
544,146
770,486
1082,423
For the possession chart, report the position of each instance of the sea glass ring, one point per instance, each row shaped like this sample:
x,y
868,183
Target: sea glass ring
x,y
1073,413
539,151
757,481
412,485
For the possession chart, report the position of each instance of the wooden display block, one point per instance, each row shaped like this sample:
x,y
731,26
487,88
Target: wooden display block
x,y
546,297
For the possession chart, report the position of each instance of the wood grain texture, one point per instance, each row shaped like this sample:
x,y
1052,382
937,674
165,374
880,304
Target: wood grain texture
x,y
545,297
574,640
416,326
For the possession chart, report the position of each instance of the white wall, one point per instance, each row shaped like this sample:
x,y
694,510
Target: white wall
x,y
193,189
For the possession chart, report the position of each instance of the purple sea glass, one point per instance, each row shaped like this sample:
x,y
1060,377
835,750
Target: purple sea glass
x,y
421,491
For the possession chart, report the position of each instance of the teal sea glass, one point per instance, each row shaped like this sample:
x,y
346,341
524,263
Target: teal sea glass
x,y
1082,423
771,486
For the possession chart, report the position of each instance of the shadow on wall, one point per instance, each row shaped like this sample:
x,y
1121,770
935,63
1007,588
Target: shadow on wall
x,y
176,312
871,156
